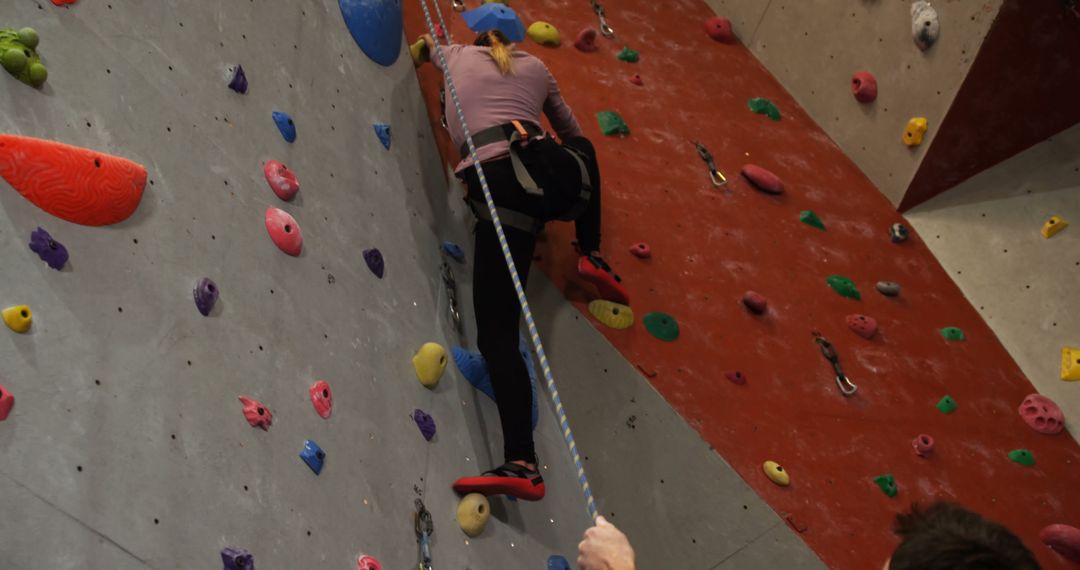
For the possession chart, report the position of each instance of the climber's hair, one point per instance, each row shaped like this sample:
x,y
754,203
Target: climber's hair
x,y
500,49
945,536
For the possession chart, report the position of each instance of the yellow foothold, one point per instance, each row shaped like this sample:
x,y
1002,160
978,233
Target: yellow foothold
x,y
1052,226
473,513
612,314
430,361
913,134
544,34
776,473
419,53
1070,362
18,318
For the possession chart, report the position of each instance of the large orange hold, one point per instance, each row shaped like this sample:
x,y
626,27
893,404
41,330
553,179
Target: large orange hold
x,y
75,184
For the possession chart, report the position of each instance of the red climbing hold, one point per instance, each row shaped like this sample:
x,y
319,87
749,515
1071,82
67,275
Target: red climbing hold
x,y
7,401
763,179
864,86
72,183
719,29
586,41
923,445
281,180
284,231
862,325
756,302
440,32
735,377
1042,414
322,398
365,562
62,2
1063,539
257,414
636,80
641,250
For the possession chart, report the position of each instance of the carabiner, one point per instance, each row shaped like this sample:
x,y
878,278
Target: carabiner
x,y
718,179
451,295
458,5
605,29
846,386
424,529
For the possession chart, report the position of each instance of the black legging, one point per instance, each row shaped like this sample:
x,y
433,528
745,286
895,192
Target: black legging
x,y
498,312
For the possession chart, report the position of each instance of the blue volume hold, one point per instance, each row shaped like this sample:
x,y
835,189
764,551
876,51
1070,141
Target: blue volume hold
x,y
383,131
557,562
313,455
285,125
377,26
474,368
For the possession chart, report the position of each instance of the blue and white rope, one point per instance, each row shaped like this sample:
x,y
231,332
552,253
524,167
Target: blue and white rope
x,y
549,379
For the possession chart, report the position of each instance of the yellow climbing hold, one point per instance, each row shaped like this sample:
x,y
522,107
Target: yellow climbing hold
x,y
913,133
429,361
1070,362
473,513
776,473
419,52
1052,226
544,34
18,318
612,314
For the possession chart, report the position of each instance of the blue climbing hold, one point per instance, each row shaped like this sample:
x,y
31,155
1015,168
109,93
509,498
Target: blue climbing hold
x,y
453,250
383,131
376,25
495,16
557,562
474,368
313,455
285,125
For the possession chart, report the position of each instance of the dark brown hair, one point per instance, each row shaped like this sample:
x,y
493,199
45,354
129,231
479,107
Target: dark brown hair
x,y
945,536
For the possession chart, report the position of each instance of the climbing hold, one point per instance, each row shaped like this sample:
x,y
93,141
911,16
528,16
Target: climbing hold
x,y
1052,226
440,32
1063,539
544,34
281,180
1042,414
809,218
556,562
843,286
284,231
375,262
285,125
776,473
49,250
862,325
612,124
586,41
952,333
495,16
662,326
382,130
636,80
206,294
313,455
888,288
239,82
322,398
233,557
63,2
1023,457
474,369
1070,363
762,179
7,401
719,29
425,423
914,132
72,183
473,513
754,301
864,86
256,414
614,315
946,405
454,251
365,562
763,106
628,55
887,484
19,57
898,233
735,377
429,362
925,26
419,52
641,250
376,27
18,318
923,445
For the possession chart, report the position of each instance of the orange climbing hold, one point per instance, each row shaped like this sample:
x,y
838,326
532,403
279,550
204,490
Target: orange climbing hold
x,y
74,184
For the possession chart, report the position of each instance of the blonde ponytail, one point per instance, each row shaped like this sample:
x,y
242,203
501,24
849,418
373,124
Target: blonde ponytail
x,y
500,49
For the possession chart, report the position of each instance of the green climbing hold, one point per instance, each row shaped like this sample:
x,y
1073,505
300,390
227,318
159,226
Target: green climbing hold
x,y
952,333
844,286
887,483
947,405
763,106
1023,457
612,124
809,218
628,55
18,57
662,326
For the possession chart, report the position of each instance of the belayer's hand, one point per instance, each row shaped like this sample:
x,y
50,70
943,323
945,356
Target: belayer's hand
x,y
605,548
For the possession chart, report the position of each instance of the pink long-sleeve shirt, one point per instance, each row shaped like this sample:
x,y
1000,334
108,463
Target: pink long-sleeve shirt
x,y
490,98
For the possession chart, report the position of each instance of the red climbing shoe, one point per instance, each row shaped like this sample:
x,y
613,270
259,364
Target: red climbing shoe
x,y
596,271
510,479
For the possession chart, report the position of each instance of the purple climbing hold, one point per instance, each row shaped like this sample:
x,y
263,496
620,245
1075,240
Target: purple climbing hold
x,y
237,558
206,294
239,80
375,261
425,423
383,132
49,250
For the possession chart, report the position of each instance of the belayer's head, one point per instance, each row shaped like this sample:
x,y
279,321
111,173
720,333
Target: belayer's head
x,y
500,48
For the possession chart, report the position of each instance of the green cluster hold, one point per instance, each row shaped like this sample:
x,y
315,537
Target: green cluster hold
x,y
628,55
952,333
809,218
887,483
612,124
661,325
19,58
763,106
844,286
1023,457
947,405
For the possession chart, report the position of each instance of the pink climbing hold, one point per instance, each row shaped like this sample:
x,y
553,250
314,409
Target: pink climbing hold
x,y
763,179
440,32
322,398
7,401
1042,414
862,325
719,29
754,301
1063,539
923,445
735,377
864,86
365,562
257,414
586,41
284,231
641,250
636,80
281,180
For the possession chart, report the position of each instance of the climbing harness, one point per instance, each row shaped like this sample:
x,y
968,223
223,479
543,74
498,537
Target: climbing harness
x,y
715,175
534,334
424,529
605,29
847,387
451,295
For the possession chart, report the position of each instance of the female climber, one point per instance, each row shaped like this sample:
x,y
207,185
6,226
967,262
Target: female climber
x,y
533,179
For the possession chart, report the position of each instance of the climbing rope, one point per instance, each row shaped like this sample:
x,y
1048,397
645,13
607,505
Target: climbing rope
x,y
534,334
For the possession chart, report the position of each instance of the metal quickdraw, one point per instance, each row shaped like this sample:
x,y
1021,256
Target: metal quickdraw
x,y
605,29
847,387
451,295
718,179
424,529
458,5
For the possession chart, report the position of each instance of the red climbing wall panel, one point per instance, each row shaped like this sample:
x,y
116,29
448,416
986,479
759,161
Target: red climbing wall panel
x,y
709,246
